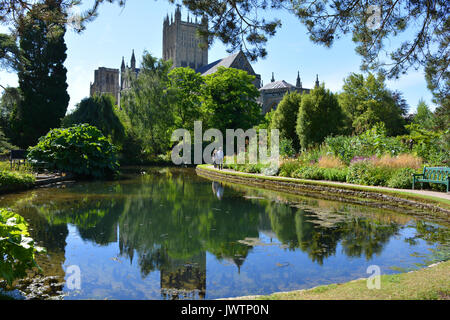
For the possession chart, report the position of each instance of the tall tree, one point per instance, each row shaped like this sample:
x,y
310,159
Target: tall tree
x,y
319,116
423,116
284,118
229,100
148,104
42,75
185,84
420,27
98,111
366,101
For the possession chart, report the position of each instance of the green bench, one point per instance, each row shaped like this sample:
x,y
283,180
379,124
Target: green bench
x,y
433,175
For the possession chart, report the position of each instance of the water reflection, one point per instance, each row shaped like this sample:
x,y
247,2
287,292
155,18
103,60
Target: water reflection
x,y
167,221
217,188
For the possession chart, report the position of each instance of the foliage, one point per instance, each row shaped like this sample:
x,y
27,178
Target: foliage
x,y
404,160
371,142
428,144
401,179
16,247
367,101
318,107
14,180
330,161
42,75
286,149
81,150
185,84
365,173
288,166
318,173
148,105
229,100
284,118
423,116
98,111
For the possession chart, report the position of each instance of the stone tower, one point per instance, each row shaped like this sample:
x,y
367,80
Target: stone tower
x,y
106,80
181,42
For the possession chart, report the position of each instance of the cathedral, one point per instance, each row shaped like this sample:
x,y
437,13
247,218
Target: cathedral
x,y
186,48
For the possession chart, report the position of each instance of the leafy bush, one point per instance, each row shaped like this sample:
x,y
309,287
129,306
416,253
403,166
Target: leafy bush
x,y
81,150
286,148
12,180
365,173
318,173
335,174
367,144
288,166
16,247
401,179
313,173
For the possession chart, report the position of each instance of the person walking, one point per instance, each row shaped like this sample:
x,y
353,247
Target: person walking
x,y
214,158
219,158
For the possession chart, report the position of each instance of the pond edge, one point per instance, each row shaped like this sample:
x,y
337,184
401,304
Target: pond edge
x,y
374,197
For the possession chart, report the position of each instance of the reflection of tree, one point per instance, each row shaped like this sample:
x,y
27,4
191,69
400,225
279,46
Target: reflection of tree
x,y
319,233
366,237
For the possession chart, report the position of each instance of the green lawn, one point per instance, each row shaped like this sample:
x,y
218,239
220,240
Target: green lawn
x,y
424,284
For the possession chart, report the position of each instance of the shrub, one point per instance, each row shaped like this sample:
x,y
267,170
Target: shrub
x,y
11,180
313,173
286,148
401,179
81,150
288,166
16,247
335,174
365,173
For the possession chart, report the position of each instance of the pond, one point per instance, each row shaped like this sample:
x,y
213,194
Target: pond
x,y
165,233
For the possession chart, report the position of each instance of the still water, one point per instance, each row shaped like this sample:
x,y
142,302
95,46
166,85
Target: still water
x,y
166,233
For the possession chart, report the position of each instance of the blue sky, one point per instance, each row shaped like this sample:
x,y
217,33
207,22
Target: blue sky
x,y
138,26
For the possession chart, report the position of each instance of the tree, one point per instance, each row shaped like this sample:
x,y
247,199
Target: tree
x,y
229,100
367,101
98,111
148,104
243,24
319,116
421,27
185,84
42,75
285,117
423,116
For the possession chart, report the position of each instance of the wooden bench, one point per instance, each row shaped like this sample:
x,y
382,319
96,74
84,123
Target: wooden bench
x,y
16,156
439,175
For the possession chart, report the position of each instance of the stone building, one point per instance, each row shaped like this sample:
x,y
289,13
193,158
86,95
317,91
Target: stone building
x,y
272,93
237,61
106,80
181,43
128,72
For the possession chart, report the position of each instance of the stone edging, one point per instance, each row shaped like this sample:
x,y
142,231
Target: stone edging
x,y
312,188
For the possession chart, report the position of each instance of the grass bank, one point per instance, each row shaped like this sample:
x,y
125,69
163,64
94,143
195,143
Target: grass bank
x,y
431,283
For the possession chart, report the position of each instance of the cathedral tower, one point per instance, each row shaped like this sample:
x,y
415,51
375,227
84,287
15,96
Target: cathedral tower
x,y
181,42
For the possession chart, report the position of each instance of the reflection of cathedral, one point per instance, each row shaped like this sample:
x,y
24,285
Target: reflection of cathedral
x,y
182,279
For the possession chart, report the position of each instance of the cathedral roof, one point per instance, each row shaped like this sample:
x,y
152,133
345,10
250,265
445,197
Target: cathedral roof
x,y
212,67
278,85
